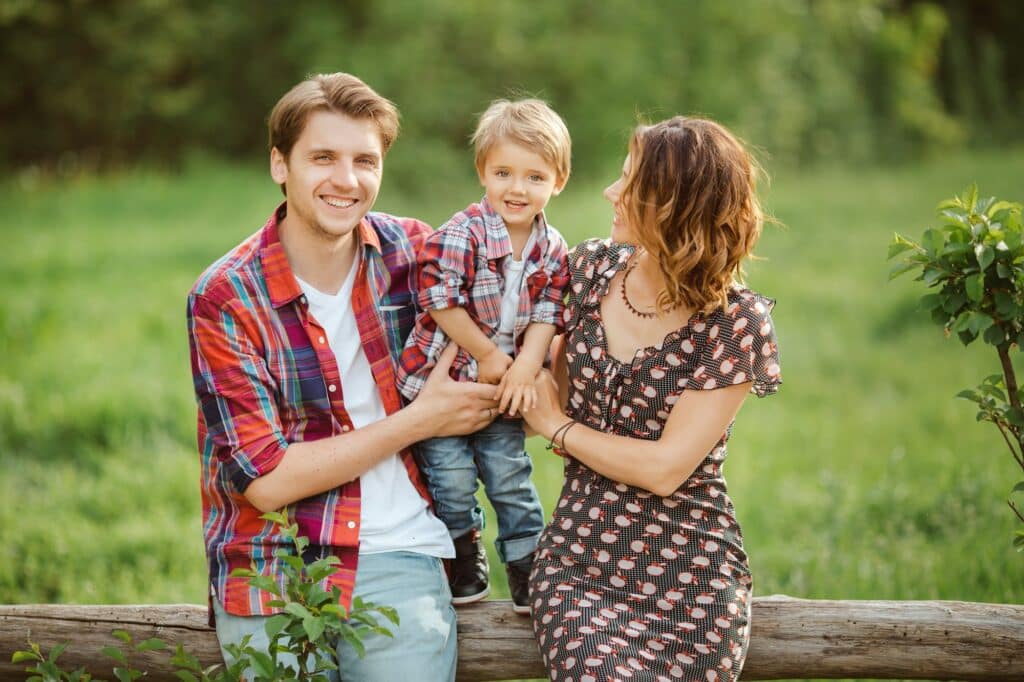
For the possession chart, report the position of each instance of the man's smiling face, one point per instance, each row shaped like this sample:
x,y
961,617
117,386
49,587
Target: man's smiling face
x,y
332,174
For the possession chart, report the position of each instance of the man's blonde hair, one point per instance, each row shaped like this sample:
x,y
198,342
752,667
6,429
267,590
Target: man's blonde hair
x,y
530,123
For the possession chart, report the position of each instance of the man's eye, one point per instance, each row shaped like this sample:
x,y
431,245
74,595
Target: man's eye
x,y
369,162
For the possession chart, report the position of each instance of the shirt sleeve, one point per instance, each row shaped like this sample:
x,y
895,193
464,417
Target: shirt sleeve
x,y
740,347
549,297
447,265
235,392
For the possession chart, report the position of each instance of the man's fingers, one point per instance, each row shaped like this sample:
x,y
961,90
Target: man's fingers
x,y
447,357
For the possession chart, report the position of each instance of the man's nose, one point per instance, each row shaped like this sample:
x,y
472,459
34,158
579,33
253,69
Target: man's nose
x,y
343,174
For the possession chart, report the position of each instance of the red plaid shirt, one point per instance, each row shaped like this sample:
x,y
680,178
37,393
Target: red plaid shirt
x,y
265,377
461,265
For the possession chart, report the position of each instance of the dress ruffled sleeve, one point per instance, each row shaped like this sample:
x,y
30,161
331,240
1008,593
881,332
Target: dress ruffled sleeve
x,y
583,259
740,347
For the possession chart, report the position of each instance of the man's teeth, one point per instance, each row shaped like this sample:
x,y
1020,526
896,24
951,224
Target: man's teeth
x,y
339,203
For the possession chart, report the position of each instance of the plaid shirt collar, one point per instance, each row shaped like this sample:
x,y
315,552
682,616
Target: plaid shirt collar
x,y
281,283
499,244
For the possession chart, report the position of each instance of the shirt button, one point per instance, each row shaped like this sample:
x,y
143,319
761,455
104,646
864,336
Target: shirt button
x,y
345,428
332,388
302,300
351,524
322,340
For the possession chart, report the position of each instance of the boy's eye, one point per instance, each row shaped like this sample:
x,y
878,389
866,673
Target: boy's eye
x,y
501,173
537,178
369,162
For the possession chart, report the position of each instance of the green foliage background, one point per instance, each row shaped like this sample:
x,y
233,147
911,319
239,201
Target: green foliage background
x,y
98,84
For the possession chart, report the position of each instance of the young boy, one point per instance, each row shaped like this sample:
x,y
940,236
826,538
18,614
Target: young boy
x,y
492,280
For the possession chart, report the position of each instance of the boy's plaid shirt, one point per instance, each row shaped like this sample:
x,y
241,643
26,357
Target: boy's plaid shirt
x,y
265,377
462,265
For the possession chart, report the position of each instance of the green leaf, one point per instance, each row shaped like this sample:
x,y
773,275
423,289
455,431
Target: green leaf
x,y
899,244
933,240
1018,542
968,394
354,641
979,322
152,644
186,676
900,268
261,663
314,627
984,204
124,674
970,196
23,657
275,517
985,255
995,335
114,653
1003,270
949,203
1018,488
975,287
265,583
57,651
123,635
297,610
930,302
999,207
275,624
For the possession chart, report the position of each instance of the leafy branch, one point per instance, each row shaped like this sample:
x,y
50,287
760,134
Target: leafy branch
x,y
310,624
975,263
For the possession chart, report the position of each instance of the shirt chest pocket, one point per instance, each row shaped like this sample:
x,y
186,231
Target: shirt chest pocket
x,y
485,296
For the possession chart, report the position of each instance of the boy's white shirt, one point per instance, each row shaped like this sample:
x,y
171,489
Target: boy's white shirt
x,y
393,515
513,288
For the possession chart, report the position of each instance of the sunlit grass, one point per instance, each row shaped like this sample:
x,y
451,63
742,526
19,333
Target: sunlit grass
x,y
864,477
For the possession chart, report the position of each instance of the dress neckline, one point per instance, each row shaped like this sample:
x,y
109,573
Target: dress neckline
x,y
617,264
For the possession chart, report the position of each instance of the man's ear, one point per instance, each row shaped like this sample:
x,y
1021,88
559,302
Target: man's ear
x,y
278,166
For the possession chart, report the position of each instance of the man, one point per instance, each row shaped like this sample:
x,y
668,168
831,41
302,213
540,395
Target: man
x,y
294,335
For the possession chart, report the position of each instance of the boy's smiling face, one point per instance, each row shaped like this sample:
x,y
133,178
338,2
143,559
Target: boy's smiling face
x,y
518,183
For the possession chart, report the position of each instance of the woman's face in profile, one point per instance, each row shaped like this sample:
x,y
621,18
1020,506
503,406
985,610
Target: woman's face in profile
x,y
613,193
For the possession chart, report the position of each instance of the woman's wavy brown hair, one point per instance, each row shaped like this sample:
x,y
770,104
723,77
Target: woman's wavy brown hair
x,y
690,200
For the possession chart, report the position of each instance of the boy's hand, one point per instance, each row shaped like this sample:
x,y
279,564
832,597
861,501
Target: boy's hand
x,y
492,367
516,391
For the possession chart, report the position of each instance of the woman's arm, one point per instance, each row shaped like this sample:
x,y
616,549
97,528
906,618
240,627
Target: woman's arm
x,y
695,425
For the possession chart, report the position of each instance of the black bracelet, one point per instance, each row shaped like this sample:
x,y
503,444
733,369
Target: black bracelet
x,y
564,434
564,427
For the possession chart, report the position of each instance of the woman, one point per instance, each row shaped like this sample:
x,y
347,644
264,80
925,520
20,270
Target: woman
x,y
642,574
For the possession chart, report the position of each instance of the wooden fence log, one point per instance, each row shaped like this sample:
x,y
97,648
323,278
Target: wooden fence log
x,y
791,639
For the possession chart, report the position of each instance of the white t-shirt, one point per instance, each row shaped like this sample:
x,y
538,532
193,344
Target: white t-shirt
x,y
393,514
510,296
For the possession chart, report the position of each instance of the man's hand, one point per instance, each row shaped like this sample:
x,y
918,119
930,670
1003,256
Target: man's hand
x,y
492,367
454,408
516,390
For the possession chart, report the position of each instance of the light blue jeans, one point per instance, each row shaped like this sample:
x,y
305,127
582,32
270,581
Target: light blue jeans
x,y
497,456
424,643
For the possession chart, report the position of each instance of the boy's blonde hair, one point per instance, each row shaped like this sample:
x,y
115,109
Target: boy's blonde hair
x,y
530,123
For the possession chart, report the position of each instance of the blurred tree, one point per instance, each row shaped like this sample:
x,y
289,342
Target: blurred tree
x,y
95,83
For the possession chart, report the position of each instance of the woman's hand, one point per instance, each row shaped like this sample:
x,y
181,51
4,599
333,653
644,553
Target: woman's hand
x,y
546,415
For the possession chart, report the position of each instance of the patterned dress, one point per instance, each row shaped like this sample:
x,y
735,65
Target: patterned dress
x,y
628,585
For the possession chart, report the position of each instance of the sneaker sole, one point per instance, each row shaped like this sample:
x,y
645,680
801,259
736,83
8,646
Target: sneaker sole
x,y
460,601
521,610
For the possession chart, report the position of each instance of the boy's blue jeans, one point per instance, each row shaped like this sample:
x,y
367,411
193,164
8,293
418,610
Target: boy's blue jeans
x,y
497,456
424,643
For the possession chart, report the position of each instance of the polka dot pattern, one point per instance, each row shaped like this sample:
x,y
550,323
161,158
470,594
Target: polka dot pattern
x,y
628,585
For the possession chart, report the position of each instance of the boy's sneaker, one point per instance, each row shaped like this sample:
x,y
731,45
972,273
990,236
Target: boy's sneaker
x,y
519,583
468,579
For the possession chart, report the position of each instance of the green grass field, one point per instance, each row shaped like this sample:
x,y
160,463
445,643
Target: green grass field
x,y
864,478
